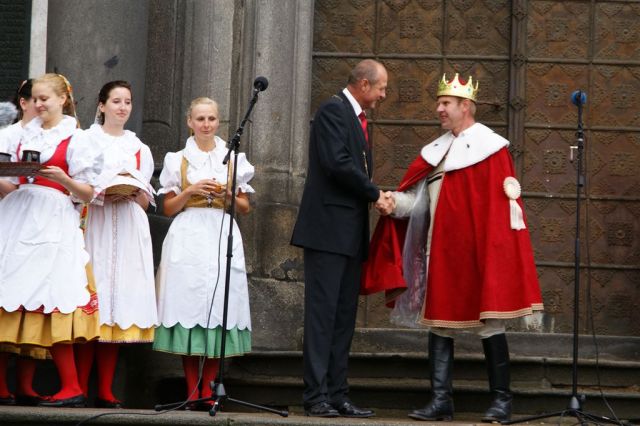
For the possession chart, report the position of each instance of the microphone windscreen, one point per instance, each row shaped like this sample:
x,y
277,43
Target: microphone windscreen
x,y
579,97
260,83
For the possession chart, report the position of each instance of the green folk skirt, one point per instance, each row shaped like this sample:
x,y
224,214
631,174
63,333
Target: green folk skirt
x,y
201,341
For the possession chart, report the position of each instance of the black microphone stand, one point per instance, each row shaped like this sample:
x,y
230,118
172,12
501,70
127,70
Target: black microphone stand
x,y
220,395
575,403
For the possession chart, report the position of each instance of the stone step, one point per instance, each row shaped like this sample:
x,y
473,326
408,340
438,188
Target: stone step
x,y
408,394
521,344
389,371
385,380
10,416
535,371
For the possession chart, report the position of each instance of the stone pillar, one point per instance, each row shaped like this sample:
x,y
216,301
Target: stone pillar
x,y
277,44
190,55
92,42
38,41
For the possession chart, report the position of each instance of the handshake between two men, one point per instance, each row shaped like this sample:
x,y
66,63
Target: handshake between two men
x,y
386,203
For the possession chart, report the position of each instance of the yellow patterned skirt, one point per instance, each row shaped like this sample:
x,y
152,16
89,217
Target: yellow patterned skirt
x,y
34,328
45,330
133,334
34,352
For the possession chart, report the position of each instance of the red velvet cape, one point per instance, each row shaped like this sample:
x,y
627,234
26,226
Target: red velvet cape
x,y
479,267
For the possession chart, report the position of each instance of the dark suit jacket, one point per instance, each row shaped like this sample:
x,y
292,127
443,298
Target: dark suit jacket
x,y
334,212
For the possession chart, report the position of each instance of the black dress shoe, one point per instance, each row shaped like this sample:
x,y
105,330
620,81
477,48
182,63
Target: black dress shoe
x,y
321,409
105,403
8,400
347,409
30,400
77,401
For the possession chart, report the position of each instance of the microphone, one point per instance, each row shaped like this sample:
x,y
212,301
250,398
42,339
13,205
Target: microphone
x,y
260,83
579,98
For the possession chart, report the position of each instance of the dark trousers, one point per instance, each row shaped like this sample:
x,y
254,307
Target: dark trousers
x,y
332,284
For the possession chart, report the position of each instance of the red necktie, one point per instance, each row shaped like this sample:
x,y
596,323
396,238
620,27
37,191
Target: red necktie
x,y
363,123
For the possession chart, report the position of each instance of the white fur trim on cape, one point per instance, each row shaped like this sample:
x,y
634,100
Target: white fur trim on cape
x,y
473,145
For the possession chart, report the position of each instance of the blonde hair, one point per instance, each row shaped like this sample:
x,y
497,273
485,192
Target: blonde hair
x,y
203,100
61,87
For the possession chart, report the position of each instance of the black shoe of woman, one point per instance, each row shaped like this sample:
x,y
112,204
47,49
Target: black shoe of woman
x,y
104,403
78,401
7,400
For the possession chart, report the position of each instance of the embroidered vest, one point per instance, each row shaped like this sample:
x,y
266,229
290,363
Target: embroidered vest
x,y
59,158
199,200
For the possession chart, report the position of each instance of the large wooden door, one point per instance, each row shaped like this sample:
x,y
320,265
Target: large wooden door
x,y
529,56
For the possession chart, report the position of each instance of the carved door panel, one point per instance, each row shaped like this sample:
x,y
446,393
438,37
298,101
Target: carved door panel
x,y
593,46
528,56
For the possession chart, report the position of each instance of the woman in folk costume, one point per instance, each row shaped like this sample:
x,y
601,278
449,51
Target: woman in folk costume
x,y
25,363
119,241
45,297
190,278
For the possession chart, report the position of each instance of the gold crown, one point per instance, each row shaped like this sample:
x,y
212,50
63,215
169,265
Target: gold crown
x,y
456,88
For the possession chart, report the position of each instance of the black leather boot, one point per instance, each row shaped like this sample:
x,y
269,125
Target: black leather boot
x,y
441,363
496,352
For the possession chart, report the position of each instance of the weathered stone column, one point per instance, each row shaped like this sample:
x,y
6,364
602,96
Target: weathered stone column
x,y
277,44
92,42
38,41
190,55
206,48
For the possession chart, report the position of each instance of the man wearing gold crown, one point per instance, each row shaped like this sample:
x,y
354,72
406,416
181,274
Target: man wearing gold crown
x,y
453,252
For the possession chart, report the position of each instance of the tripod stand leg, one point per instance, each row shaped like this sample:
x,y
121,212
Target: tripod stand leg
x,y
594,418
583,417
221,397
283,413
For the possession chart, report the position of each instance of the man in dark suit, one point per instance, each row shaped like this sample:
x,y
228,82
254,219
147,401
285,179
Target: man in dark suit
x,y
333,229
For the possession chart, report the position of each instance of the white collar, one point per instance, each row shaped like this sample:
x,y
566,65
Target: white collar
x,y
197,158
356,106
128,142
470,147
39,139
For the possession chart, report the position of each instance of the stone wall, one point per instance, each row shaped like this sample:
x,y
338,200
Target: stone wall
x,y
172,52
92,42
277,44
217,49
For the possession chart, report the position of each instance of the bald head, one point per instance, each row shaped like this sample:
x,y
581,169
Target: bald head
x,y
366,69
368,83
